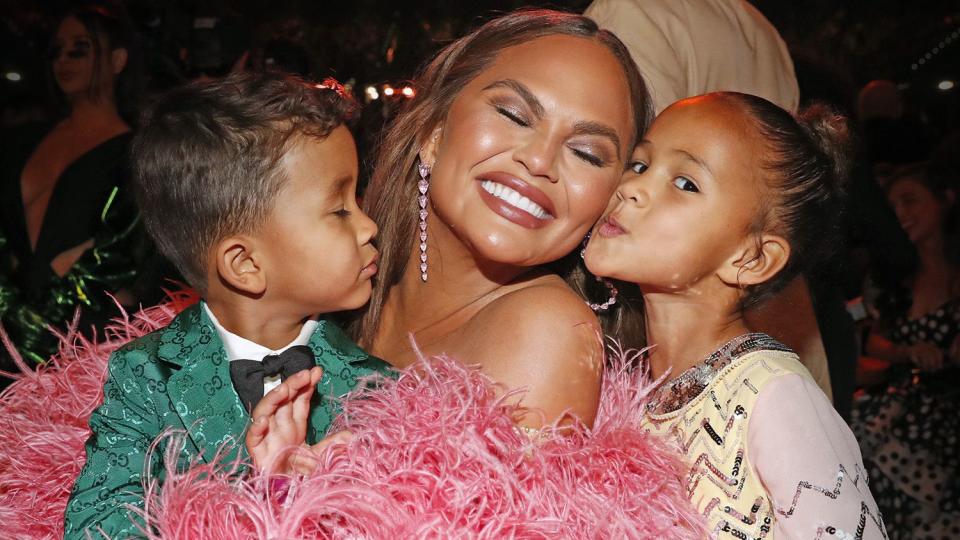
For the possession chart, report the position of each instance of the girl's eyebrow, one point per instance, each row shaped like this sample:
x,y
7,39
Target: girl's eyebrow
x,y
686,155
583,127
690,157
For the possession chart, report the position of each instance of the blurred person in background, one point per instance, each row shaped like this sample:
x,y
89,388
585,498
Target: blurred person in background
x,y
69,233
907,423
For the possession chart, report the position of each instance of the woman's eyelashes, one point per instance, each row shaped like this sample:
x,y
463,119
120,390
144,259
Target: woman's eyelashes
x,y
512,114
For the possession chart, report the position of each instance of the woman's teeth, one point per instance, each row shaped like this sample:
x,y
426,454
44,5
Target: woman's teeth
x,y
514,198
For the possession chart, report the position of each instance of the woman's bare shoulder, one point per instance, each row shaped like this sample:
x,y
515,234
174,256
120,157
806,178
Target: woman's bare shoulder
x,y
544,339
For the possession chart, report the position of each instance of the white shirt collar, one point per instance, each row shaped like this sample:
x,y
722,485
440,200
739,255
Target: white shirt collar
x,y
241,348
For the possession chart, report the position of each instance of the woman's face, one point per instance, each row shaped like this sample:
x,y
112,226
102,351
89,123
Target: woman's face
x,y
531,150
73,60
919,211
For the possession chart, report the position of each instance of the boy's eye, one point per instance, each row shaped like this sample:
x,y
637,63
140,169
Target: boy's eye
x,y
638,167
685,184
513,116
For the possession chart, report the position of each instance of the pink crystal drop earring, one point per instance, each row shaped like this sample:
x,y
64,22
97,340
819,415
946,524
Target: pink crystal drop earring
x,y
610,286
423,185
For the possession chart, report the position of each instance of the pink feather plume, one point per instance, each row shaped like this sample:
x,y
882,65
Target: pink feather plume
x,y
435,454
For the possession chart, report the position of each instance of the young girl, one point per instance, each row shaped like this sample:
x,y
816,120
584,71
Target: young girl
x,y
727,198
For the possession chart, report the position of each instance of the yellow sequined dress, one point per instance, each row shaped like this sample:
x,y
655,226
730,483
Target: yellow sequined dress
x,y
768,455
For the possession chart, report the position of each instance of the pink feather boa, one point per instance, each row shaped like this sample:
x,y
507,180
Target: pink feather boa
x,y
435,455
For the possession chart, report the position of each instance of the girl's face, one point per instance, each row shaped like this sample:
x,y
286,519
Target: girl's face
x,y
73,60
686,202
531,150
919,211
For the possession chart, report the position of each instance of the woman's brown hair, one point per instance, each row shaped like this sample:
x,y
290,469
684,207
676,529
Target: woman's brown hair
x,y
391,198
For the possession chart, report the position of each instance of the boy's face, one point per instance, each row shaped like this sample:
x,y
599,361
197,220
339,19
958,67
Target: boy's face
x,y
317,241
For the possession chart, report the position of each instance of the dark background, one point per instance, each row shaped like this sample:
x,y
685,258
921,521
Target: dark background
x,y
837,46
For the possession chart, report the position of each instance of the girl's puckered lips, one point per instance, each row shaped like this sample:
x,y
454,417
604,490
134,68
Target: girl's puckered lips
x,y
610,227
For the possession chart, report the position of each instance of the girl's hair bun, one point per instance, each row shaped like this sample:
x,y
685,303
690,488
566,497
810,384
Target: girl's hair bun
x,y
831,135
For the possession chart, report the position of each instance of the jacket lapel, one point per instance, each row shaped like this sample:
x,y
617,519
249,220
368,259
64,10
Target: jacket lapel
x,y
201,392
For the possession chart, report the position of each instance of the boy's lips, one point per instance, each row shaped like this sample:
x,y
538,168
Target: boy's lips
x,y
370,268
610,227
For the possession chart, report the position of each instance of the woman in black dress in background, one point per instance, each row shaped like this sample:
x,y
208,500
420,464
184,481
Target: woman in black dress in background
x,y
69,232
908,427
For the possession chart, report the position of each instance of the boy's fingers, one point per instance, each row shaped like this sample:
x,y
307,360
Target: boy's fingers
x,y
271,402
316,374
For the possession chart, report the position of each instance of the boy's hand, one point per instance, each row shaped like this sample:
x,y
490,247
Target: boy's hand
x,y
306,462
280,421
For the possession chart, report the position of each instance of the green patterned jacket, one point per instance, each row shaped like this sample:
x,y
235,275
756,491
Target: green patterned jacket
x,y
178,377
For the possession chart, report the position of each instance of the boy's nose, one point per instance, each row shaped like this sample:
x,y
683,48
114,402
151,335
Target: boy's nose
x,y
366,229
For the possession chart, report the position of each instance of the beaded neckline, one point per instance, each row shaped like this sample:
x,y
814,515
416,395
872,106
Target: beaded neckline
x,y
674,394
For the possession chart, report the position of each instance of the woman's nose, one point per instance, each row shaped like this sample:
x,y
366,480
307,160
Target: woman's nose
x,y
539,156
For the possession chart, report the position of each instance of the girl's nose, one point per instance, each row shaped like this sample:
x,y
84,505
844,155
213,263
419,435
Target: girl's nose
x,y
634,192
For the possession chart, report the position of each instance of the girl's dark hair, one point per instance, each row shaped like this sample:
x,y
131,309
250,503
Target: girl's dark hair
x,y
807,170
391,198
112,25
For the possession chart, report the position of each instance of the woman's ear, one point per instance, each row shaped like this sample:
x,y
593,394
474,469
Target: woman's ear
x,y
757,262
428,152
239,265
118,60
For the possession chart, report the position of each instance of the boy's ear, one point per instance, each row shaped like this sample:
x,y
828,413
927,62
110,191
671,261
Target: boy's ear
x,y
239,264
760,259
118,60
428,152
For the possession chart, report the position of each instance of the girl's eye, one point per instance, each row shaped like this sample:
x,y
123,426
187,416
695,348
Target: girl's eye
x,y
513,117
343,212
685,184
588,157
638,167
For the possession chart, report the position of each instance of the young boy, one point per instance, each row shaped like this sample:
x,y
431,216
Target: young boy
x,y
248,186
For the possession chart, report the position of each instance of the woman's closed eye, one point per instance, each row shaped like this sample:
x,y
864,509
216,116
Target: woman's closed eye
x,y
591,158
343,212
513,115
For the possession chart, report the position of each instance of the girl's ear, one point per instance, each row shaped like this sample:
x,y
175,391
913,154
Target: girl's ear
x,y
757,262
428,152
239,265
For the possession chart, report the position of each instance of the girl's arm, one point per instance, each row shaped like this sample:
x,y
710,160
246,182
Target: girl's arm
x,y
809,462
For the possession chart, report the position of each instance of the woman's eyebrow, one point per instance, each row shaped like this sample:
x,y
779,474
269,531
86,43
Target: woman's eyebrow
x,y
523,92
596,128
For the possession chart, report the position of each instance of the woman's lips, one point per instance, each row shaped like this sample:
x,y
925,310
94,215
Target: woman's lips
x,y
610,227
515,200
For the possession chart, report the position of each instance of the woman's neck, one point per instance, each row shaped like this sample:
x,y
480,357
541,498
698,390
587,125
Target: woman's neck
x,y
932,254
458,286
94,112
685,328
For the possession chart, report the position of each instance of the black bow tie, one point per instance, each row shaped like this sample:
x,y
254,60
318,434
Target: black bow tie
x,y
248,375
